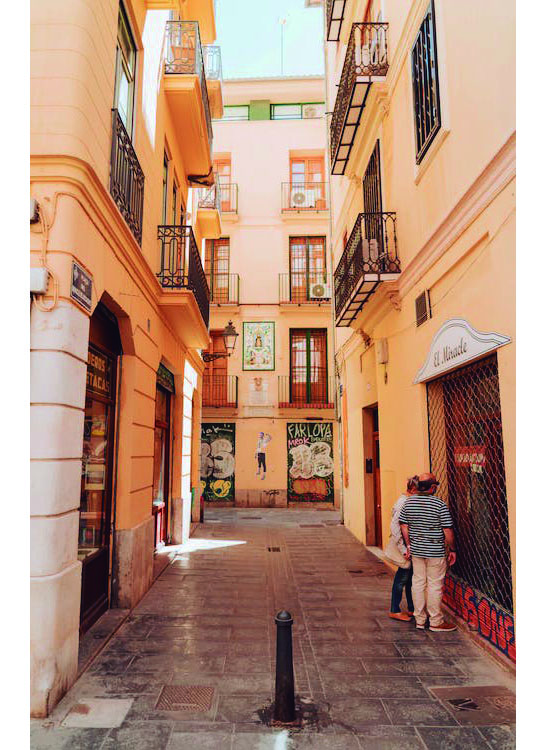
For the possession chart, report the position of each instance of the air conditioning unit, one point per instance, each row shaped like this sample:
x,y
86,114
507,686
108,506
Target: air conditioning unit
x,y
319,290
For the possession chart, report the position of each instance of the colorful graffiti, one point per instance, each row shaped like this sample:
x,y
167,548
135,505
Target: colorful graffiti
x,y
493,623
310,462
218,461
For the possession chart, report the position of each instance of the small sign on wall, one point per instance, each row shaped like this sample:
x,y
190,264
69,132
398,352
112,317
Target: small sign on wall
x,y
81,286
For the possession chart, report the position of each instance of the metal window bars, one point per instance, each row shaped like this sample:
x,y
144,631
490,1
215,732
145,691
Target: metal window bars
x,y
366,61
425,85
180,264
370,256
183,55
228,197
126,177
304,196
220,390
303,392
298,287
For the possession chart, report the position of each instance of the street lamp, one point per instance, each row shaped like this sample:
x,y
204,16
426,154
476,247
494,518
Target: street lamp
x,y
229,335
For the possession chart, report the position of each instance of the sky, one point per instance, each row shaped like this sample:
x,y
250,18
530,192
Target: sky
x,y
249,34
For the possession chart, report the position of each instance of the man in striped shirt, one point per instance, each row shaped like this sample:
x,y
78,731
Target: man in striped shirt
x,y
426,525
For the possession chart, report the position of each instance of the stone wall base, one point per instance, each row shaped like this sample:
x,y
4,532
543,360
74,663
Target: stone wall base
x,y
134,564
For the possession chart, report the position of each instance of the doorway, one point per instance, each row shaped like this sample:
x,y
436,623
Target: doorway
x,y
372,483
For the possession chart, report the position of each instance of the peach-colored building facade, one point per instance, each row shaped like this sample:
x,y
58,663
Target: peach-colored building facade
x,y
422,154
120,131
269,273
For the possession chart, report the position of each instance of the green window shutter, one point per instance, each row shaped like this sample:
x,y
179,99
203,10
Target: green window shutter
x,y
259,109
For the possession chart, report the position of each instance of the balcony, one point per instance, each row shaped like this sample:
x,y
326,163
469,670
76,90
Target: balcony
x,y
181,271
186,91
313,392
366,61
304,288
126,177
369,258
220,391
304,198
335,17
203,11
208,212
213,75
224,288
229,201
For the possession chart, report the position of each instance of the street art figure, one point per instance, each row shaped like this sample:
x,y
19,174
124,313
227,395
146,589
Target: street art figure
x,y
217,461
260,453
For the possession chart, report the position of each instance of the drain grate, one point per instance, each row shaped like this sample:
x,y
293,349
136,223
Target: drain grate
x,y
196,698
464,704
274,549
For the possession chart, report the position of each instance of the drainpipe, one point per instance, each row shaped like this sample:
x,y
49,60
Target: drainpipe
x,y
331,253
115,478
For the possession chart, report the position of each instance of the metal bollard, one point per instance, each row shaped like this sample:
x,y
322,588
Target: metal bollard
x,y
284,675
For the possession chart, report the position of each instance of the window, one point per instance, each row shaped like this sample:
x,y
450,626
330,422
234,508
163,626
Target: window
x,y
307,264
307,188
217,269
236,112
308,379
124,85
425,85
297,111
223,168
174,205
164,188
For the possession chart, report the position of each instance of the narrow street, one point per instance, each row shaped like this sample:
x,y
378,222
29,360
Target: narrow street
x,y
208,621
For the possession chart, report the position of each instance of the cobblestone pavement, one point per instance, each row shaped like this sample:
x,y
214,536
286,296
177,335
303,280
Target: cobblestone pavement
x,y
369,682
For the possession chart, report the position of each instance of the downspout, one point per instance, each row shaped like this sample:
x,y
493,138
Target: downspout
x,y
332,307
113,579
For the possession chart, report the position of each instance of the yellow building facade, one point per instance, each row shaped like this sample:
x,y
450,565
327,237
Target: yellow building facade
x,y
122,198
422,158
270,275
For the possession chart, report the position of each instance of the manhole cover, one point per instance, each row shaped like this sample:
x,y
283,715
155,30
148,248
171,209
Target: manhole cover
x,y
503,701
464,704
274,549
185,698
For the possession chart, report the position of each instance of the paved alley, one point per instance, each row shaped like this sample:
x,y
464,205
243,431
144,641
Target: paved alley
x,y
207,622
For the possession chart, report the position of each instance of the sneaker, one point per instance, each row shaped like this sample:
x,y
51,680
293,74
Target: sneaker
x,y
263,476
420,626
402,616
444,627
408,612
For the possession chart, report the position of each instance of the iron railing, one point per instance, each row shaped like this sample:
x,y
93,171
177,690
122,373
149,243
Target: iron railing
x,y
300,391
228,197
304,196
213,62
126,177
370,249
366,58
180,264
224,288
220,390
184,56
298,287
335,16
209,197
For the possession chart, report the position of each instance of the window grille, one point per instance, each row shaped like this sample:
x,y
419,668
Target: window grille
x,y
466,456
425,85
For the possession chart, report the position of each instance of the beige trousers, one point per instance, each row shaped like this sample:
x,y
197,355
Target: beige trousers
x,y
427,588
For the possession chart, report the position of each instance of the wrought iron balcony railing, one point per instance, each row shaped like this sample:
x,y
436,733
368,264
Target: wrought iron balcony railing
x,y
213,62
228,197
303,196
126,177
220,390
224,288
366,61
302,287
180,264
302,390
184,56
209,197
335,17
370,257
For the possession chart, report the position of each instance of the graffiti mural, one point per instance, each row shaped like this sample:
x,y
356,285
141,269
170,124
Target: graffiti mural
x,y
310,462
217,471
493,623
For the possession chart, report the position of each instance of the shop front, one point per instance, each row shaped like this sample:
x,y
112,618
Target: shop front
x,y
465,428
94,548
